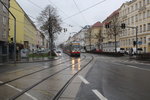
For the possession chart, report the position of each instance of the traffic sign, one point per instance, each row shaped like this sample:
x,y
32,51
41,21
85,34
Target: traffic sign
x,y
139,42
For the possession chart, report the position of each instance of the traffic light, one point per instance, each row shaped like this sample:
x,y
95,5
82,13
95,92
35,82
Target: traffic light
x,y
123,25
65,29
134,43
107,25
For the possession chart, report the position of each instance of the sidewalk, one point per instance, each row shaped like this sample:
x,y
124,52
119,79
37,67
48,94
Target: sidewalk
x,y
30,60
133,58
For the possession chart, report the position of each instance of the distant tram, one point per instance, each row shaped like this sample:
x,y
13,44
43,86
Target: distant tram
x,y
73,49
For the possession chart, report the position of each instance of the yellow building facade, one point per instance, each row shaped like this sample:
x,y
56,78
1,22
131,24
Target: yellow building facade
x,y
94,35
109,34
25,29
136,13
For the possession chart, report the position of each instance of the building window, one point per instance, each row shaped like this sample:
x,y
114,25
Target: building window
x,y
137,29
136,6
140,4
132,41
129,42
128,31
132,8
148,13
128,21
144,49
4,9
141,40
140,16
4,20
132,31
144,3
148,27
144,15
144,27
132,18
140,28
136,18
144,40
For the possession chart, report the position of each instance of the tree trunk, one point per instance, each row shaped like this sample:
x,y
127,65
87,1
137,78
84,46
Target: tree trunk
x,y
115,44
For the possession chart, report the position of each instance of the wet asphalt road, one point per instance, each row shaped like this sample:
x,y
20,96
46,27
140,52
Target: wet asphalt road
x,y
116,80
45,90
113,78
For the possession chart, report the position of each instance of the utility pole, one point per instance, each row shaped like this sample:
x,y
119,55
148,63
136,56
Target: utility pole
x,y
136,39
123,26
14,30
136,36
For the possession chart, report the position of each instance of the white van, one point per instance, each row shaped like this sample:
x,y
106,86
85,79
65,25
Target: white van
x,y
120,50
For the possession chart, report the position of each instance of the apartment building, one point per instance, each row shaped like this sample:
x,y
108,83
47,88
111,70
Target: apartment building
x,y
39,40
4,30
93,35
80,36
26,30
135,13
112,32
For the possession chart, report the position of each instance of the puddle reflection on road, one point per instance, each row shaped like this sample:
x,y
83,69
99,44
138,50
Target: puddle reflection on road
x,y
75,67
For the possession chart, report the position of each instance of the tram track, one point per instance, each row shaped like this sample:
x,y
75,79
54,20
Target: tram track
x,y
42,80
57,96
20,77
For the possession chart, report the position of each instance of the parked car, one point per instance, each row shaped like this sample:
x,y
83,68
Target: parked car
x,y
59,53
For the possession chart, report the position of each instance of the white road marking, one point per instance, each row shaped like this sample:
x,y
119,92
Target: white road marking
x,y
33,98
30,96
1,82
45,66
83,79
133,67
99,95
138,68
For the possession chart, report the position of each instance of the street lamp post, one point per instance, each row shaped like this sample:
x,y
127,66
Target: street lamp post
x,y
14,30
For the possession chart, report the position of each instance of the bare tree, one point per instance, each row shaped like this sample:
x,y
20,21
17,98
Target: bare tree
x,y
114,29
89,39
99,38
49,23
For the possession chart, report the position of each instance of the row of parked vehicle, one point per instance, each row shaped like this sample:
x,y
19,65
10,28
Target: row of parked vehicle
x,y
130,51
58,52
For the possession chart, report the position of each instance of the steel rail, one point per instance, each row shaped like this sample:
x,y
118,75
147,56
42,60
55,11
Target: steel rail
x,y
57,96
6,82
29,88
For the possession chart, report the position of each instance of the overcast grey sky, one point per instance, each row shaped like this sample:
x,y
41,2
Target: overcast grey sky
x,y
67,8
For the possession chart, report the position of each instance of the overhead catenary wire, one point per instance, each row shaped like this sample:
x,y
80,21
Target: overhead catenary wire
x,y
84,10
22,12
16,20
35,5
24,23
63,13
43,9
80,11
